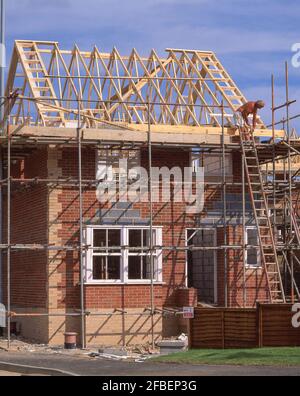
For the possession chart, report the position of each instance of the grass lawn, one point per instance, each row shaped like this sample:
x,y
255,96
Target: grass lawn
x,y
243,357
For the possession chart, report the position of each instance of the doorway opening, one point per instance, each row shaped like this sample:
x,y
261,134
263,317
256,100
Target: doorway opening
x,y
202,264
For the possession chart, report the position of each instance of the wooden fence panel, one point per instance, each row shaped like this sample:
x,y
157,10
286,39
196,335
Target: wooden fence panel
x,y
276,327
240,329
224,328
206,329
267,326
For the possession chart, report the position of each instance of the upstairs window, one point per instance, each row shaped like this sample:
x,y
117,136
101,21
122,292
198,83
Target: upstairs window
x,y
108,162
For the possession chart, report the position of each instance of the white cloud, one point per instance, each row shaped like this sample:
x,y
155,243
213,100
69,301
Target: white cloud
x,y
225,26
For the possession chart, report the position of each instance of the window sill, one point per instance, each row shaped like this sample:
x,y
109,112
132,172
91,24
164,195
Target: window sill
x,y
253,267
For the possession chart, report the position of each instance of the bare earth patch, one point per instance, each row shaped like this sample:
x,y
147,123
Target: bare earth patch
x,y
8,374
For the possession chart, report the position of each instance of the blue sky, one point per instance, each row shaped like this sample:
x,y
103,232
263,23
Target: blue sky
x,y
253,39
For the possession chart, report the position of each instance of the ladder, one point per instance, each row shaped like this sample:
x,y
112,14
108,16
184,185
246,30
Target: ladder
x,y
40,84
224,83
258,198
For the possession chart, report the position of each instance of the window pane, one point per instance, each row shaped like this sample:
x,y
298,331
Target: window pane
x,y
252,254
110,272
134,267
114,268
252,257
99,268
139,267
147,267
146,238
135,238
114,238
99,238
252,237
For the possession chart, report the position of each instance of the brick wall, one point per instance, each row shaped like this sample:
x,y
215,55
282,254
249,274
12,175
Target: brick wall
x,y
28,226
51,280
172,217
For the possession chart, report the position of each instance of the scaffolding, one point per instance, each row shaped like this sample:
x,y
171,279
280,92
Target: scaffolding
x,y
188,90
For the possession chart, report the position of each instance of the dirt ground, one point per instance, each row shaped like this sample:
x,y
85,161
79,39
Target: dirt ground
x,y
133,353
7,374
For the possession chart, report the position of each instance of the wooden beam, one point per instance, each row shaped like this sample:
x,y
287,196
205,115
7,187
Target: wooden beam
x,y
161,133
186,129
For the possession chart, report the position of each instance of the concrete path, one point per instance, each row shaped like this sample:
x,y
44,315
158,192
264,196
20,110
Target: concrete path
x,y
100,367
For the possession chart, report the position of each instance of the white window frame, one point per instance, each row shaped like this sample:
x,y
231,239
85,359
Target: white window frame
x,y
90,254
88,265
259,263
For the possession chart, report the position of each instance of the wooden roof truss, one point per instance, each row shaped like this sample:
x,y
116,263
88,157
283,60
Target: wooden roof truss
x,y
184,88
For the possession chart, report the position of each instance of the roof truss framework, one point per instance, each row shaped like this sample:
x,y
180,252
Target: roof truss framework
x,y
185,88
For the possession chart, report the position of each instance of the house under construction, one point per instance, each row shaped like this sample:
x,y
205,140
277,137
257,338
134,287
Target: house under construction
x,y
120,272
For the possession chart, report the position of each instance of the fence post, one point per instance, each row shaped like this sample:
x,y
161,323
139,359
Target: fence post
x,y
260,325
223,329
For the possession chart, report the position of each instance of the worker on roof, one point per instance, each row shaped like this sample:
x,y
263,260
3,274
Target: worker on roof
x,y
251,108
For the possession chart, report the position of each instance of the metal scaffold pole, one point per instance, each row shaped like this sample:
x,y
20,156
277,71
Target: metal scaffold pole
x,y
8,227
81,252
244,233
2,53
152,292
224,208
290,176
2,92
274,154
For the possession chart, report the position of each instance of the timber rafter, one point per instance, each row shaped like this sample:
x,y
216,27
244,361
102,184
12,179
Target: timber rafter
x,y
184,88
